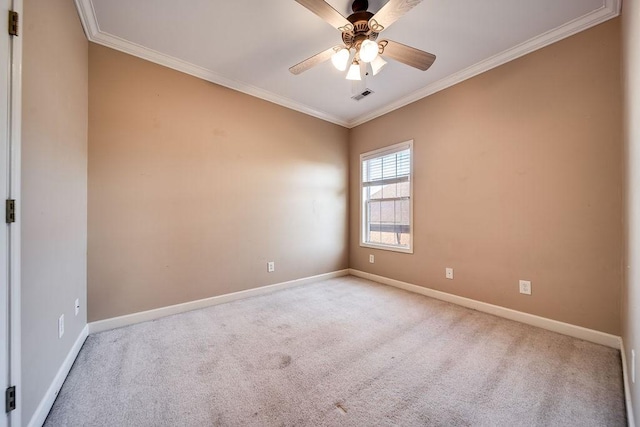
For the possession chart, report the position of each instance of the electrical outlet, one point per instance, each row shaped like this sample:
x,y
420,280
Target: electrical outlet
x,y
525,287
77,306
61,326
633,366
448,273
372,259
271,267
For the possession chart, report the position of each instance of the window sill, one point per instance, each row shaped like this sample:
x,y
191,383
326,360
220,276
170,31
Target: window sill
x,y
387,248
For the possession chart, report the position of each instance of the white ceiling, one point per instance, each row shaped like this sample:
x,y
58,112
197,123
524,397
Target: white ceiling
x,y
249,45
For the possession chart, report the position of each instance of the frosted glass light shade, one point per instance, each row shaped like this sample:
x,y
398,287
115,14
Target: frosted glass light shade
x,y
340,59
354,72
377,64
368,50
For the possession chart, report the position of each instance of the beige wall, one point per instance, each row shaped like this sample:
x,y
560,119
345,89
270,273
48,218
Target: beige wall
x,y
517,176
631,289
54,190
194,187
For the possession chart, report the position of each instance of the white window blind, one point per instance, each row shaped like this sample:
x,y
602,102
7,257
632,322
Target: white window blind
x,y
386,198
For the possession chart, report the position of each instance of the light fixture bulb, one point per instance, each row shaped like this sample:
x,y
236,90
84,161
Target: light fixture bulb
x,y
340,59
354,72
377,64
368,50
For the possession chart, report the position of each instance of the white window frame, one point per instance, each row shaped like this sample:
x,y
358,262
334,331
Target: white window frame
x,y
380,153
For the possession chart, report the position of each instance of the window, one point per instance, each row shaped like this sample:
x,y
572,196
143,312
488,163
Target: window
x,y
386,204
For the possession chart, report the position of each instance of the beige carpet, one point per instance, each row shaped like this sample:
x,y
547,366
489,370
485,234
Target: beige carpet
x,y
344,352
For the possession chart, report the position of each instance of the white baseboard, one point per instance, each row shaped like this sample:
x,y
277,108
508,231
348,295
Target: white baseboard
x,y
627,388
530,319
144,316
40,415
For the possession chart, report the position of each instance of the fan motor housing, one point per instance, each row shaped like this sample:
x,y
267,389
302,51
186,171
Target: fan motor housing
x,y
361,31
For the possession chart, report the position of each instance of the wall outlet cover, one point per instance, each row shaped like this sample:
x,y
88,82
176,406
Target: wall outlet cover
x,y
633,366
271,267
372,259
448,273
525,287
61,326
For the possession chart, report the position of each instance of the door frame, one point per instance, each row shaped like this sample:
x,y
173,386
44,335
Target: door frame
x,y
15,125
5,167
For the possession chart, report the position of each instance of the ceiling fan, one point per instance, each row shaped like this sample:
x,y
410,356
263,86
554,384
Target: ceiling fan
x,y
360,32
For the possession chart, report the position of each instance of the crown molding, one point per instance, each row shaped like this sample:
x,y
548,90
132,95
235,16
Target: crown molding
x,y
95,35
610,9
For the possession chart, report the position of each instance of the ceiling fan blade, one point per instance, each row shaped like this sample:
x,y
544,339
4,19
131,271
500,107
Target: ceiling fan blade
x,y
314,60
328,13
407,55
390,13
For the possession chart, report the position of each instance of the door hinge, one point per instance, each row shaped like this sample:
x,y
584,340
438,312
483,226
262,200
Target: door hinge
x,y
14,18
10,398
10,211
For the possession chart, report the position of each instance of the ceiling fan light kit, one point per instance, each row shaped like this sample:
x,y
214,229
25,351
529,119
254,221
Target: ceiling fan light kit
x,y
368,50
377,65
340,59
360,31
354,72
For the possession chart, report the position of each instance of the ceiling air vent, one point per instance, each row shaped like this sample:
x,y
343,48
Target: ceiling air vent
x,y
364,93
